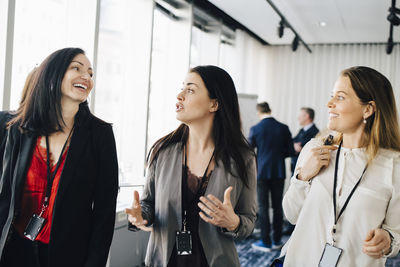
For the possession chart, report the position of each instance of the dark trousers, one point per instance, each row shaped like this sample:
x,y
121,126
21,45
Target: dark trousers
x,y
22,252
273,187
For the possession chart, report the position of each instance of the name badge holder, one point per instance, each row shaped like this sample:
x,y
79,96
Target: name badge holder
x,y
331,254
184,237
37,222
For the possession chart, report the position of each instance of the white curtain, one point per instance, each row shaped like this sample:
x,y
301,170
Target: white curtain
x,y
297,79
246,63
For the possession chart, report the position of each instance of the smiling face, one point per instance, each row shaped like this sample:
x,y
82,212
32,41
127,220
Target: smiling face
x,y
77,82
194,104
346,112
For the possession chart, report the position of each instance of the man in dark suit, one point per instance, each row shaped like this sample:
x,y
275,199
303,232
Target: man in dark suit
x,y
308,131
273,142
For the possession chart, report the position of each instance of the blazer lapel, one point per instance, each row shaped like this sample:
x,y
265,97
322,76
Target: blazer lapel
x,y
27,143
79,139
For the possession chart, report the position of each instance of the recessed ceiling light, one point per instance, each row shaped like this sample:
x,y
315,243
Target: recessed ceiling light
x,y
322,23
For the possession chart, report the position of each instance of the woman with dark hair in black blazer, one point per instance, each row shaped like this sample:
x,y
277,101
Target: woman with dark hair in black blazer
x,y
59,183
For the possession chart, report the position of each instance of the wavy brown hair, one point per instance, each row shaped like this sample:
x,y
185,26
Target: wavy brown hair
x,y
382,127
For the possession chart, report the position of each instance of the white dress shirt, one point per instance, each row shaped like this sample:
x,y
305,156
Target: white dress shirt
x,y
374,204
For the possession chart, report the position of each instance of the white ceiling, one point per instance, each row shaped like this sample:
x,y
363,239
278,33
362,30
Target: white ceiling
x,y
347,21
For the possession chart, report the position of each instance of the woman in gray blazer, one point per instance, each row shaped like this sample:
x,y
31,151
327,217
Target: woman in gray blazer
x,y
200,193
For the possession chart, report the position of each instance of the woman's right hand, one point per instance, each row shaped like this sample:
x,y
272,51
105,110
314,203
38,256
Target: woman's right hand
x,y
319,158
135,213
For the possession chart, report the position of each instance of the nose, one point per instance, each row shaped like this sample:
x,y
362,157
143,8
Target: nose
x,y
330,103
86,76
180,96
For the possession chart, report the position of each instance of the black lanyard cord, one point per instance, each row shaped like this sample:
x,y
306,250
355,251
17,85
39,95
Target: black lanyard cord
x,y
203,179
335,184
51,175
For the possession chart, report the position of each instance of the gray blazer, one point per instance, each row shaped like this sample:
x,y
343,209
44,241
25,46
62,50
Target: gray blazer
x,y
161,206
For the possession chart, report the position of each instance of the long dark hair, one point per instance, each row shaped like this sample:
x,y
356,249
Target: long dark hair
x,y
230,144
41,111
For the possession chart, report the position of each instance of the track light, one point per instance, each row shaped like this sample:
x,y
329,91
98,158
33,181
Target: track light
x,y
295,43
394,21
389,46
281,28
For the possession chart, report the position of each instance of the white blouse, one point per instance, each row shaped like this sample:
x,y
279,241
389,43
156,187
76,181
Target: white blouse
x,y
374,204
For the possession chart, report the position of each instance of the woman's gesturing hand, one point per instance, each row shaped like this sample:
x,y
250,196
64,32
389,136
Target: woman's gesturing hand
x,y
135,213
219,213
377,243
319,157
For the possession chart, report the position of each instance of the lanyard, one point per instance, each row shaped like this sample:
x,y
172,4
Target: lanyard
x,y
51,175
203,179
336,219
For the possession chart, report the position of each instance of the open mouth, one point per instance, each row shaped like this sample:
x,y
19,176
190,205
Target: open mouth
x,y
179,107
333,115
80,86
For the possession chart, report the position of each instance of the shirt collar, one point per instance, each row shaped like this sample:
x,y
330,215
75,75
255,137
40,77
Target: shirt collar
x,y
308,126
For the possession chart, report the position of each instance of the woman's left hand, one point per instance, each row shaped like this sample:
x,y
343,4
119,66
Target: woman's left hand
x,y
377,243
219,214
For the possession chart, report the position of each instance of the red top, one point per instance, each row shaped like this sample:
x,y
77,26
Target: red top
x,y
35,191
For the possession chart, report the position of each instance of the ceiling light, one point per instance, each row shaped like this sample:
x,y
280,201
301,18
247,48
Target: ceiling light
x,y
281,28
295,43
322,23
389,46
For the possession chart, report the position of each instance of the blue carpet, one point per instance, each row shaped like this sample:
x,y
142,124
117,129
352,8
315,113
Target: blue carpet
x,y
250,257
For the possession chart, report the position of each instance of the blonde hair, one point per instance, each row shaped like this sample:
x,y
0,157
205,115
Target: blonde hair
x,y
381,128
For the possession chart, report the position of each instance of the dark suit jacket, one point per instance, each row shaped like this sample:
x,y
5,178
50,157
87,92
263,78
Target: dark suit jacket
x,y
5,116
303,137
273,141
84,212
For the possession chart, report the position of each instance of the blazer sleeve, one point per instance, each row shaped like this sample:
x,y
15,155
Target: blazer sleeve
x,y
252,138
298,190
392,219
104,200
147,201
246,206
289,144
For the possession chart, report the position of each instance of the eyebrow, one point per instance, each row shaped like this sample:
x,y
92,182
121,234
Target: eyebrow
x,y
340,92
191,84
90,68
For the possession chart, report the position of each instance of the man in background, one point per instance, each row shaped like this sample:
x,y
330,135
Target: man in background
x,y
273,143
308,131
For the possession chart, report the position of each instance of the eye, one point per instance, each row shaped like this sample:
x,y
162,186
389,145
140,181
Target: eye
x,y
340,97
190,90
75,68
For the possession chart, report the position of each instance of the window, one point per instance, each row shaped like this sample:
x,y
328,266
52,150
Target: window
x,y
206,36
122,81
170,63
3,35
62,23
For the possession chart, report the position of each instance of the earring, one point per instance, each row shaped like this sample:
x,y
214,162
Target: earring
x,y
365,121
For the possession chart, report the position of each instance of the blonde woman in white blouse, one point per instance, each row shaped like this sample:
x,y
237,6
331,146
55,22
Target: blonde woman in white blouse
x,y
362,228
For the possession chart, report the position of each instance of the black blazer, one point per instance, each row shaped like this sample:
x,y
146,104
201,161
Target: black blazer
x,y
84,212
5,116
273,141
303,137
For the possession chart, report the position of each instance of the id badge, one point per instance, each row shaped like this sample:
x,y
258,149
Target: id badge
x,y
330,256
184,243
34,226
